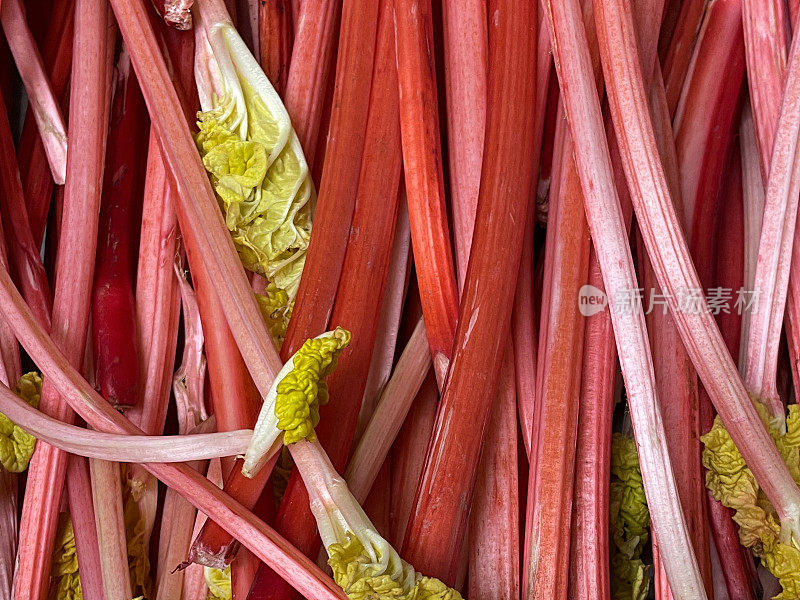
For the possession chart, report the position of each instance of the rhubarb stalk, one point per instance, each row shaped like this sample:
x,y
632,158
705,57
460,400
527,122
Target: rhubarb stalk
x,y
608,232
43,102
422,158
438,523
363,279
88,125
36,176
465,48
340,174
113,306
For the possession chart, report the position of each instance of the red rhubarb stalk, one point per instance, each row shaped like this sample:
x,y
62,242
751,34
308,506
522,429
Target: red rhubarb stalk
x,y
753,196
766,45
340,175
75,268
275,41
113,307
358,298
422,158
390,414
675,376
438,523
676,62
494,519
729,275
408,454
394,296
9,372
558,383
705,121
775,246
589,552
313,54
523,319
157,299
81,509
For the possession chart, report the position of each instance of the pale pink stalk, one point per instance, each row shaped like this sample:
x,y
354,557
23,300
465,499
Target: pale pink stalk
x,y
608,233
465,56
753,194
408,456
120,448
394,295
157,295
389,415
110,524
270,547
8,530
313,59
766,45
494,527
667,249
41,99
75,270
775,247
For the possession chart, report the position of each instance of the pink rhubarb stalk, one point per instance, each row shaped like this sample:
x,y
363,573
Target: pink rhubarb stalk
x,y
75,268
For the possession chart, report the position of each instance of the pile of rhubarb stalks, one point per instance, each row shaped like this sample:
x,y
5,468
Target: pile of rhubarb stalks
x,y
550,227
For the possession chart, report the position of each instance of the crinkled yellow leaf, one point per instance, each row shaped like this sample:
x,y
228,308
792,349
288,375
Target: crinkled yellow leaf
x,y
258,171
630,520
66,582
363,578
734,485
301,392
16,445
218,582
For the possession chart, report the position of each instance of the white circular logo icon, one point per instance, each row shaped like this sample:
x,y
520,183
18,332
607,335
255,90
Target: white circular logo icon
x,y
591,300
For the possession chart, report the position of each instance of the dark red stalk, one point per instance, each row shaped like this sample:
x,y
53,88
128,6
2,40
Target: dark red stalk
x,y
340,175
706,119
113,307
422,158
275,41
438,523
23,253
678,55
358,299
309,80
36,178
